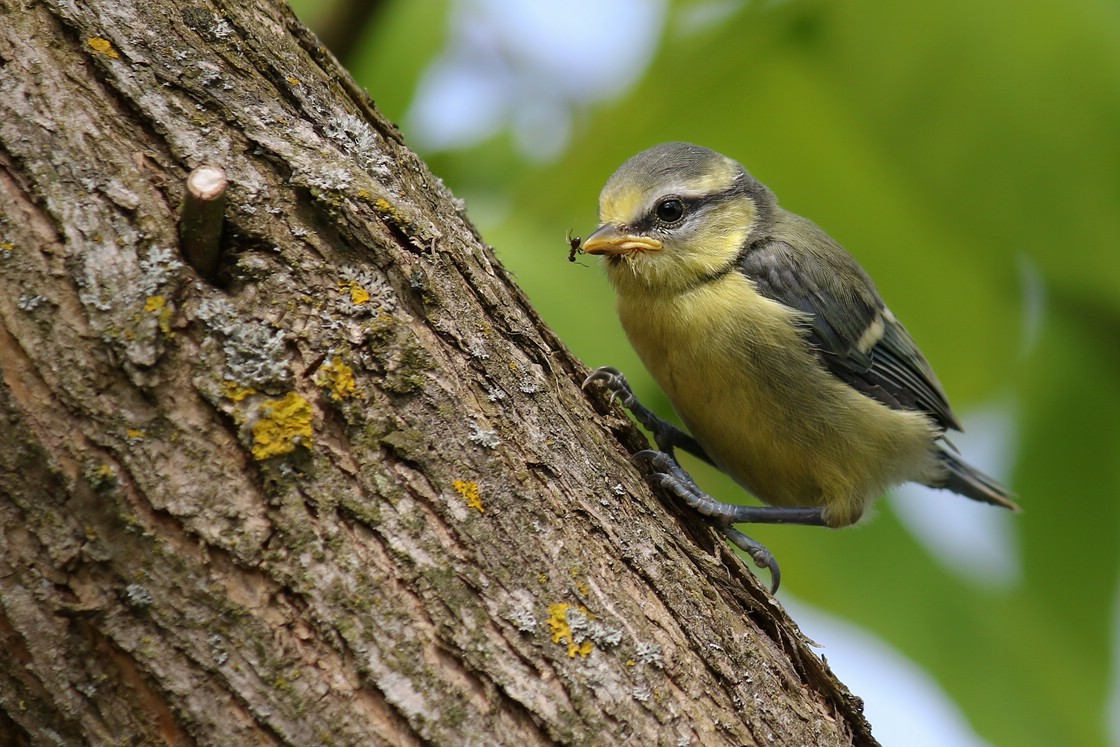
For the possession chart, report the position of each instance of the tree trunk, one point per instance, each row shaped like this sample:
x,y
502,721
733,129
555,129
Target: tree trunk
x,y
344,490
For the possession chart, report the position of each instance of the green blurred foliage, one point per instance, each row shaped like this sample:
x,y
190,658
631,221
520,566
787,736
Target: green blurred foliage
x,y
394,50
965,153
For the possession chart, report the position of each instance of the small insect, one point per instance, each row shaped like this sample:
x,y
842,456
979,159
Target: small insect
x,y
575,243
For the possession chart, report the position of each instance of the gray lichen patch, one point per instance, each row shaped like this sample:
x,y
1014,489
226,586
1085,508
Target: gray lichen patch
x,y
253,351
358,140
128,296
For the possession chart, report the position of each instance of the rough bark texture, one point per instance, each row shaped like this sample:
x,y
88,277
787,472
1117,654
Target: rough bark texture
x,y
351,493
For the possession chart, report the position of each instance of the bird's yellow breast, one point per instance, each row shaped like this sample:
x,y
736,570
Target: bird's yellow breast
x,y
753,394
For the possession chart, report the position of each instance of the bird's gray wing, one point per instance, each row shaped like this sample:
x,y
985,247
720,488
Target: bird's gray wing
x,y
866,347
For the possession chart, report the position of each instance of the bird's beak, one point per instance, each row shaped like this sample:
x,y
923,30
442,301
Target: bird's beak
x,y
608,240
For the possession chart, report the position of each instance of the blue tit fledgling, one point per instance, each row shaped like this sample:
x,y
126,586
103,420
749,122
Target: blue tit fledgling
x,y
774,347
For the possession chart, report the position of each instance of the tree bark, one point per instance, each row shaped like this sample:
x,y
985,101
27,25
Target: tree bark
x,y
347,490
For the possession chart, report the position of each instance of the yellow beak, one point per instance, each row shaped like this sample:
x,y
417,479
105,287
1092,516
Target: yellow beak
x,y
608,240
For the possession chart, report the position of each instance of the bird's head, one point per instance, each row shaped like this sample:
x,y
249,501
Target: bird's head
x,y
674,215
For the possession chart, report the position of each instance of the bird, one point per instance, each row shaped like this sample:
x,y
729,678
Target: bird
x,y
774,347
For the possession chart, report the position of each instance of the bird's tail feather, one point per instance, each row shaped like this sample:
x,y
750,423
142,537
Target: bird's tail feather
x,y
970,482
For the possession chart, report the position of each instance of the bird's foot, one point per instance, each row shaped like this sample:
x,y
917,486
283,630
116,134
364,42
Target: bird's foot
x,y
619,389
666,435
668,474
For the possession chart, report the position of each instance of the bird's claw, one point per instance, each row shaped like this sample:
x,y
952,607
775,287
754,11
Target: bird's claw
x,y
659,460
762,557
614,381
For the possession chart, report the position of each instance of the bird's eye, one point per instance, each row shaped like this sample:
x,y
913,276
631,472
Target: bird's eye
x,y
669,210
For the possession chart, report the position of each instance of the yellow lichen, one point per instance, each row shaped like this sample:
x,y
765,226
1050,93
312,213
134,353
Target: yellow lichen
x,y
284,424
469,490
134,434
102,477
394,215
103,46
359,296
158,305
561,630
384,206
235,391
338,378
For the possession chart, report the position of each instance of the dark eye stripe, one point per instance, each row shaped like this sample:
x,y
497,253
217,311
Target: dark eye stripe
x,y
691,205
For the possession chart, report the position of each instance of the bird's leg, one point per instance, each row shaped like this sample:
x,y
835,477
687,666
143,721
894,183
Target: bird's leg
x,y
671,476
666,435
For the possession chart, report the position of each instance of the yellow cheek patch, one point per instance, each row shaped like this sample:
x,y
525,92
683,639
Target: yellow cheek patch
x,y
724,232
